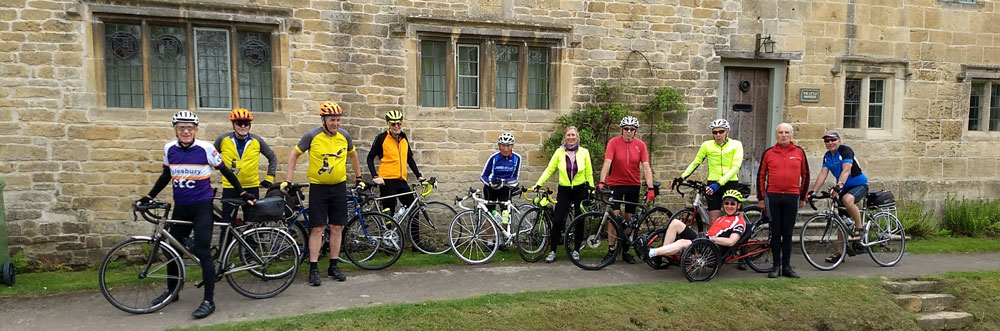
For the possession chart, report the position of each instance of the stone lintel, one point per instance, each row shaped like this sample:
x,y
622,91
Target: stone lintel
x,y
780,56
487,27
978,71
866,64
197,10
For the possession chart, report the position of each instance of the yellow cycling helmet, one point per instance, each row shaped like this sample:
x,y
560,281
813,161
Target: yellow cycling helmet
x,y
393,115
733,194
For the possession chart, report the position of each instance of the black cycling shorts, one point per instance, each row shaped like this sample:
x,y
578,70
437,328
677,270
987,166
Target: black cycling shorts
x,y
687,234
715,200
628,193
327,204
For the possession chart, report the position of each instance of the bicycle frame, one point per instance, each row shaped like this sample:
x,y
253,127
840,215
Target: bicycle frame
x,y
833,212
481,203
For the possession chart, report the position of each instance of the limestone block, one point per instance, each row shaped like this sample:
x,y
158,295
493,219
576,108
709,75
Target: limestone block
x,y
830,12
944,320
23,153
43,129
932,18
911,303
26,26
93,132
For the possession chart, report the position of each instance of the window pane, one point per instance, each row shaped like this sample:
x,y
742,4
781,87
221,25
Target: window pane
x,y
168,67
254,63
468,76
507,60
876,101
538,77
212,58
975,106
995,108
123,65
432,80
852,102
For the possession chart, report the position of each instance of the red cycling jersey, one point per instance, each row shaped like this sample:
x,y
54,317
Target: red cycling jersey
x,y
726,225
783,170
626,158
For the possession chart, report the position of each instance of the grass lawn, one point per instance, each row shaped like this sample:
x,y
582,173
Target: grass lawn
x,y
935,245
978,293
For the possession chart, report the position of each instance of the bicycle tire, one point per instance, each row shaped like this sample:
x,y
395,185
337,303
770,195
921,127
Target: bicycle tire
x,y
652,240
532,234
374,243
119,275
701,261
590,240
433,220
831,239
267,276
885,227
760,240
473,236
689,218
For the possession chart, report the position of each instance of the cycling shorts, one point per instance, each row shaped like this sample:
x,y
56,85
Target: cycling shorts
x,y
327,204
714,201
859,192
628,193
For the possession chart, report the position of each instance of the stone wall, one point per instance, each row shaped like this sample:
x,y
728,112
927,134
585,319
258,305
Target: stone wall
x,y
72,167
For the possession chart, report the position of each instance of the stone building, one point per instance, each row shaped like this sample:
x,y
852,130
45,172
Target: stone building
x,y
88,87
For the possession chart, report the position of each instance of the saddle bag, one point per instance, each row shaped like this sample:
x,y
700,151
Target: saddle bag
x,y
267,210
881,199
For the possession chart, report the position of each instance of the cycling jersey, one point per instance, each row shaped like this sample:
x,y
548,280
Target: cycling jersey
x,y
245,155
626,158
327,155
783,170
723,161
191,170
584,174
391,154
501,167
834,161
726,226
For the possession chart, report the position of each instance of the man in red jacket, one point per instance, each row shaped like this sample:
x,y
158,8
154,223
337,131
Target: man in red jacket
x,y
782,182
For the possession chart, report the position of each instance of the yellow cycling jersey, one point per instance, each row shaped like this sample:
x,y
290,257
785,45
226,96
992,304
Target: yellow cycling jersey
x,y
246,164
723,161
327,155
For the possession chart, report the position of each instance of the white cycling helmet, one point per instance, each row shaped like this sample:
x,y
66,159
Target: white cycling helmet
x,y
719,123
506,138
184,116
629,121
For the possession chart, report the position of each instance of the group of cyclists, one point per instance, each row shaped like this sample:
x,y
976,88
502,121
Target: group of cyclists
x,y
188,163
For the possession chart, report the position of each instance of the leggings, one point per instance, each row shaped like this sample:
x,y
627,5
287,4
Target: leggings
x,y
397,186
201,214
783,209
567,196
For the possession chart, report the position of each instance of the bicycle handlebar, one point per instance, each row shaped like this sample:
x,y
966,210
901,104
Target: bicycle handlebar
x,y
144,210
818,196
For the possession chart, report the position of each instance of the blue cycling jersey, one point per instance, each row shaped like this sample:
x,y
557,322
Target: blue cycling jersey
x,y
835,162
501,167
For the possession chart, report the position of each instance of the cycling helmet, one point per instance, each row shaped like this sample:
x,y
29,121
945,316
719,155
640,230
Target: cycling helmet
x,y
330,108
184,116
629,121
733,194
240,114
506,138
719,123
393,115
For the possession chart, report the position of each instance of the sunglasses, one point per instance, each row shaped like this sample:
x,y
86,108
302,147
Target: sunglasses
x,y
628,128
829,140
242,123
185,128
730,203
719,132
397,123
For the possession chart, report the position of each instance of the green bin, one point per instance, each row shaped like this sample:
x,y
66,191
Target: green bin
x,y
6,266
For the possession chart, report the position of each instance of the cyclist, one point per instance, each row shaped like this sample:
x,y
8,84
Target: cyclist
x,y
851,182
625,157
500,172
241,151
394,154
725,230
576,179
329,147
724,156
188,163
782,181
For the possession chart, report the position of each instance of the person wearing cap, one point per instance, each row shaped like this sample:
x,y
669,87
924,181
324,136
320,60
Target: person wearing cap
x,y
392,149
852,183
242,151
725,231
782,181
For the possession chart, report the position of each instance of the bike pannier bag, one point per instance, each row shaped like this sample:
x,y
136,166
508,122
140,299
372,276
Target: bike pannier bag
x,y
881,199
267,209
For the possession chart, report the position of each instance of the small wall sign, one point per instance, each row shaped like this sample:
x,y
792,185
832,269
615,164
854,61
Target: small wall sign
x,y
809,95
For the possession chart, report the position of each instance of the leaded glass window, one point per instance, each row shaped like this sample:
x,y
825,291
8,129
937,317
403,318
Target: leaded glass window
x,y
876,102
212,68
168,67
852,102
255,81
468,76
123,65
976,106
432,76
507,70
995,108
538,78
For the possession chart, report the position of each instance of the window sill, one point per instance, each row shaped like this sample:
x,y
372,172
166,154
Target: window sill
x,y
868,134
982,135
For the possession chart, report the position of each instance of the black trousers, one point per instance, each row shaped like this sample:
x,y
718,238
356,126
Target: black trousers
x,y
228,211
397,186
201,214
783,210
567,197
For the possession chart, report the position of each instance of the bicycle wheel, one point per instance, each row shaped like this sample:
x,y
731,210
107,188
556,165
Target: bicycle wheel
x,y
132,274
656,217
701,261
588,236
297,230
759,246
270,259
428,227
372,243
473,236
823,236
690,218
532,234
753,214
652,240
885,239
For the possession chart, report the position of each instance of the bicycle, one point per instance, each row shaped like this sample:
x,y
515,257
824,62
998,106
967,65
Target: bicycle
x,y
371,240
535,226
258,263
702,260
473,233
426,222
588,232
881,229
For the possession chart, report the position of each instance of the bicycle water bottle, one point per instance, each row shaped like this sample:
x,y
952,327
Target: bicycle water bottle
x,y
399,213
505,217
847,219
496,215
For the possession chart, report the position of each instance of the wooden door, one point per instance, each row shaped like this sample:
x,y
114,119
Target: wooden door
x,y
745,102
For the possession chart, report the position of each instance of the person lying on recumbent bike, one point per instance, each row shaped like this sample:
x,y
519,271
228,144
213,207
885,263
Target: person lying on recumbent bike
x,y
725,231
